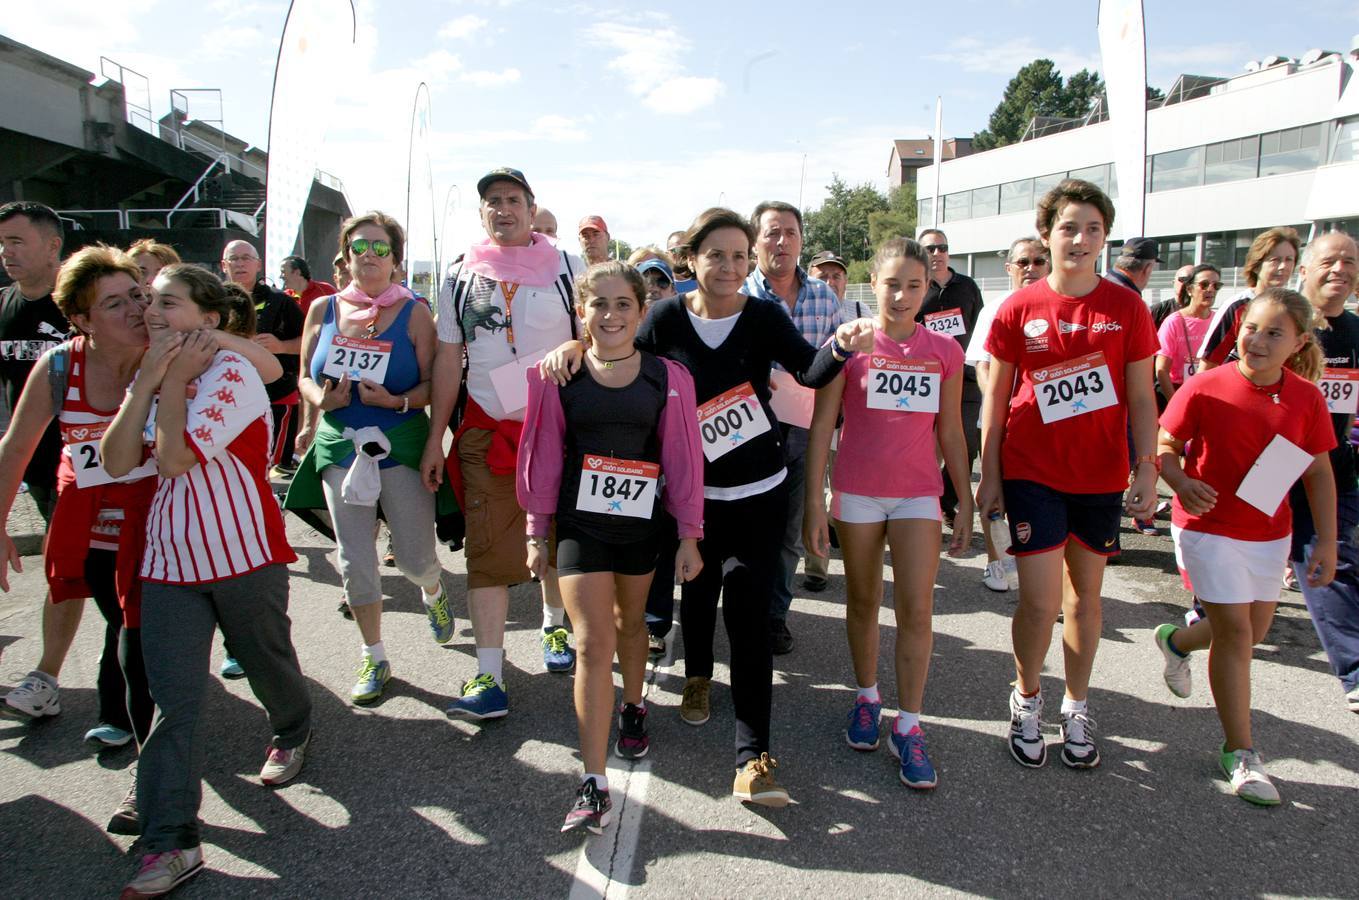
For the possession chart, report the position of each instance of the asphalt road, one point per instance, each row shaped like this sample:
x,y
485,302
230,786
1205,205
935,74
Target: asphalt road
x,y
397,800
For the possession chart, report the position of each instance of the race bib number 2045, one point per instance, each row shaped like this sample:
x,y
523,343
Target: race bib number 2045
x,y
1073,388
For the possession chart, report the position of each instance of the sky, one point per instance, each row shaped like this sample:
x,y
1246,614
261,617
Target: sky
x,y
650,112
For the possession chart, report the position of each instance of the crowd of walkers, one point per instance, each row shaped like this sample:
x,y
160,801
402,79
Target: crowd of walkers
x,y
707,415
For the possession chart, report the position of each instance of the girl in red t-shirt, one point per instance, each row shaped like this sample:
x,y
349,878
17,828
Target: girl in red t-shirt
x,y
1247,430
893,400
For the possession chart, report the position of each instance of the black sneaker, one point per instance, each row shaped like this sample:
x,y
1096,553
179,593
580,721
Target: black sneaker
x,y
632,742
780,638
1079,750
125,819
591,810
814,583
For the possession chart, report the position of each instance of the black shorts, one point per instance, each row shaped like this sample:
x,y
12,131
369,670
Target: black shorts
x,y
1042,518
579,553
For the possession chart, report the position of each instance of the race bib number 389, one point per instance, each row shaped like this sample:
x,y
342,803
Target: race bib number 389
x,y
1073,388
357,358
1340,387
618,487
904,385
729,420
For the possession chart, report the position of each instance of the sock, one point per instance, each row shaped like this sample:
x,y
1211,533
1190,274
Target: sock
x,y
905,722
870,694
601,781
428,597
43,676
375,652
1070,706
554,617
490,661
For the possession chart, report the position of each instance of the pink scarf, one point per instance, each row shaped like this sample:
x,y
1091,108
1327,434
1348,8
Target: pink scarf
x,y
536,265
394,294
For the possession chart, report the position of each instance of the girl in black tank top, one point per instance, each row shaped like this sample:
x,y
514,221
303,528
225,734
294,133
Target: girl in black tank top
x,y
599,454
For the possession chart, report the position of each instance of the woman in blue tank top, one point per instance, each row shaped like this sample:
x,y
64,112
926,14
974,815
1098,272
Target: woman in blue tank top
x,y
370,349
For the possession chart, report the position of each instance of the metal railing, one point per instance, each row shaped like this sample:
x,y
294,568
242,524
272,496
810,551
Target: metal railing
x,y
122,219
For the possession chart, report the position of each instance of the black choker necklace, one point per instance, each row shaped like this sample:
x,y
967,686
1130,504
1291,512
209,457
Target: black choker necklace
x,y
610,363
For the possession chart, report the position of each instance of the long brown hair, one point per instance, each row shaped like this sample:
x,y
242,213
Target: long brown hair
x,y
1309,362
210,295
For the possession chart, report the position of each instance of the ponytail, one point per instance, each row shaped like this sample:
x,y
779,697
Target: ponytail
x,y
240,318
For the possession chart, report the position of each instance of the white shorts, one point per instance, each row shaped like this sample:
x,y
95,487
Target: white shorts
x,y
856,509
1226,570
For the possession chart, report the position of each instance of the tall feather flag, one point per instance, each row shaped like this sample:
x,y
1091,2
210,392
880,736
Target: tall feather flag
x,y
316,35
421,237
1123,51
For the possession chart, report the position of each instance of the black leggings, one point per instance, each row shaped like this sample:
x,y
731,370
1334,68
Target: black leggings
x,y
740,550
124,700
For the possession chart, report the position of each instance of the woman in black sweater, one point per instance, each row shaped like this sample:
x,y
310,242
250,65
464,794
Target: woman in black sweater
x,y
728,341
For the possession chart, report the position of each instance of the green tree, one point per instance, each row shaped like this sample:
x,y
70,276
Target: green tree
x,y
1038,90
620,249
898,220
841,222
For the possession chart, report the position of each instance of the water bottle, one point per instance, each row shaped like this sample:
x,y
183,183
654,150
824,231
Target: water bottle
x,y
1000,539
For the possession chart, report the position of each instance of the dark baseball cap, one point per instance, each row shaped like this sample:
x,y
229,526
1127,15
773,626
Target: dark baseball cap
x,y
1141,248
504,173
658,264
827,256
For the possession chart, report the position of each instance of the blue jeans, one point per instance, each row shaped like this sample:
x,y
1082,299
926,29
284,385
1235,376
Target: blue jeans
x,y
790,551
1334,608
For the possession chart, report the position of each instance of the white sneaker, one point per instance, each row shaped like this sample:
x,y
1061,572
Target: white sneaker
x,y
1246,771
1026,723
35,697
1179,678
1079,750
994,577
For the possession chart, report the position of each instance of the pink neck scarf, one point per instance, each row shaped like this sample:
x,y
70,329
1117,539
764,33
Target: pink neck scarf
x,y
393,295
536,265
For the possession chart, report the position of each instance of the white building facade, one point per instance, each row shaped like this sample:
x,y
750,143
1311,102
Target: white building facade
x,y
1226,159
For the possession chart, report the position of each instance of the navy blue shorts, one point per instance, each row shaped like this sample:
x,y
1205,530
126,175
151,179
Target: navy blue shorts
x,y
1042,518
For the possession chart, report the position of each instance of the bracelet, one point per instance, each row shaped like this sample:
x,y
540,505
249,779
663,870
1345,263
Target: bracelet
x,y
1153,459
838,353
535,541
405,403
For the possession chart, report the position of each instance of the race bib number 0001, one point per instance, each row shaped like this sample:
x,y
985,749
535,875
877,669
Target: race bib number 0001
x,y
88,463
1073,388
904,385
949,322
729,420
618,487
358,358
1340,387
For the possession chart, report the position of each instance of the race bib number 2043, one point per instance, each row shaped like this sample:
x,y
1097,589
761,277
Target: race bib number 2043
x,y
1076,387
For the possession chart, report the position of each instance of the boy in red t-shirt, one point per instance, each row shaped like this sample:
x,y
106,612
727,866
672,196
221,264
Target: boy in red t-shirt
x,y
1252,427
1072,366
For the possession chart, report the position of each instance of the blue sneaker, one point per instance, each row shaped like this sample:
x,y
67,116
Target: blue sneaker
x,y
108,735
557,653
916,770
862,732
231,669
373,678
481,698
440,616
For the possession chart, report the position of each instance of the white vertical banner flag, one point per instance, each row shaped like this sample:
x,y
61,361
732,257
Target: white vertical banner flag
x,y
421,240
1123,52
316,36
937,206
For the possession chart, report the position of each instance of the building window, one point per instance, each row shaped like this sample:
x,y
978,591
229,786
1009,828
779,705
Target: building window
x,y
925,211
1231,160
1044,183
1346,141
1177,169
957,206
985,201
1096,175
1177,251
1017,196
1290,150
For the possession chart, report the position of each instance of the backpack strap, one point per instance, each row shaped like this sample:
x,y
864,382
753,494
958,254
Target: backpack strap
x,y
566,289
59,374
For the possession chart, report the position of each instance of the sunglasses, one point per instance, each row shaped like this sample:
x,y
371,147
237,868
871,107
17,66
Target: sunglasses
x,y
1024,262
936,248
1182,278
360,246
1208,285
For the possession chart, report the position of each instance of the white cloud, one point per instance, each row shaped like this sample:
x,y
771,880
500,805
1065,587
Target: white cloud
x,y
650,61
438,65
488,78
462,27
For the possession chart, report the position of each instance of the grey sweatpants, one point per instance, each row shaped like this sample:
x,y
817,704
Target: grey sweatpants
x,y
178,622
409,509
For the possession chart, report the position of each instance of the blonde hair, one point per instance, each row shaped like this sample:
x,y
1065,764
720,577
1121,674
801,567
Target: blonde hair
x,y
78,279
1309,362
163,252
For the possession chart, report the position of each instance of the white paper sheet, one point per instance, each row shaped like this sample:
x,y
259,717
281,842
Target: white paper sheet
x,y
1273,474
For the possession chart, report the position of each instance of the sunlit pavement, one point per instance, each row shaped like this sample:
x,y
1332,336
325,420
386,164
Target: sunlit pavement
x,y
397,800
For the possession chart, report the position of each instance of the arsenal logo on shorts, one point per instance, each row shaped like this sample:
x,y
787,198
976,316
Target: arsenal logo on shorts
x,y
1023,531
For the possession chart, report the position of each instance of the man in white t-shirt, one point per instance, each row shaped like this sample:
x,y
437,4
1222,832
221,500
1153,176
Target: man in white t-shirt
x,y
505,303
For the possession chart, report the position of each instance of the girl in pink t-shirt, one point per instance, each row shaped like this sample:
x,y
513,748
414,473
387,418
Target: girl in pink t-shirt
x,y
885,490
1183,331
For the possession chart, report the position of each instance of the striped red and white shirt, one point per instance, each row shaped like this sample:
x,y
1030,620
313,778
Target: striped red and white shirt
x,y
219,519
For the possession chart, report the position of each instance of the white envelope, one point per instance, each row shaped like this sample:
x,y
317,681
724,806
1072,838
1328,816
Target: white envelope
x,y
510,382
1269,479
792,403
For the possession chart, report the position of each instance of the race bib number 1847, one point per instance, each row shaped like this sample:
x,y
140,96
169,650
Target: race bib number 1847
x,y
1073,388
619,487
